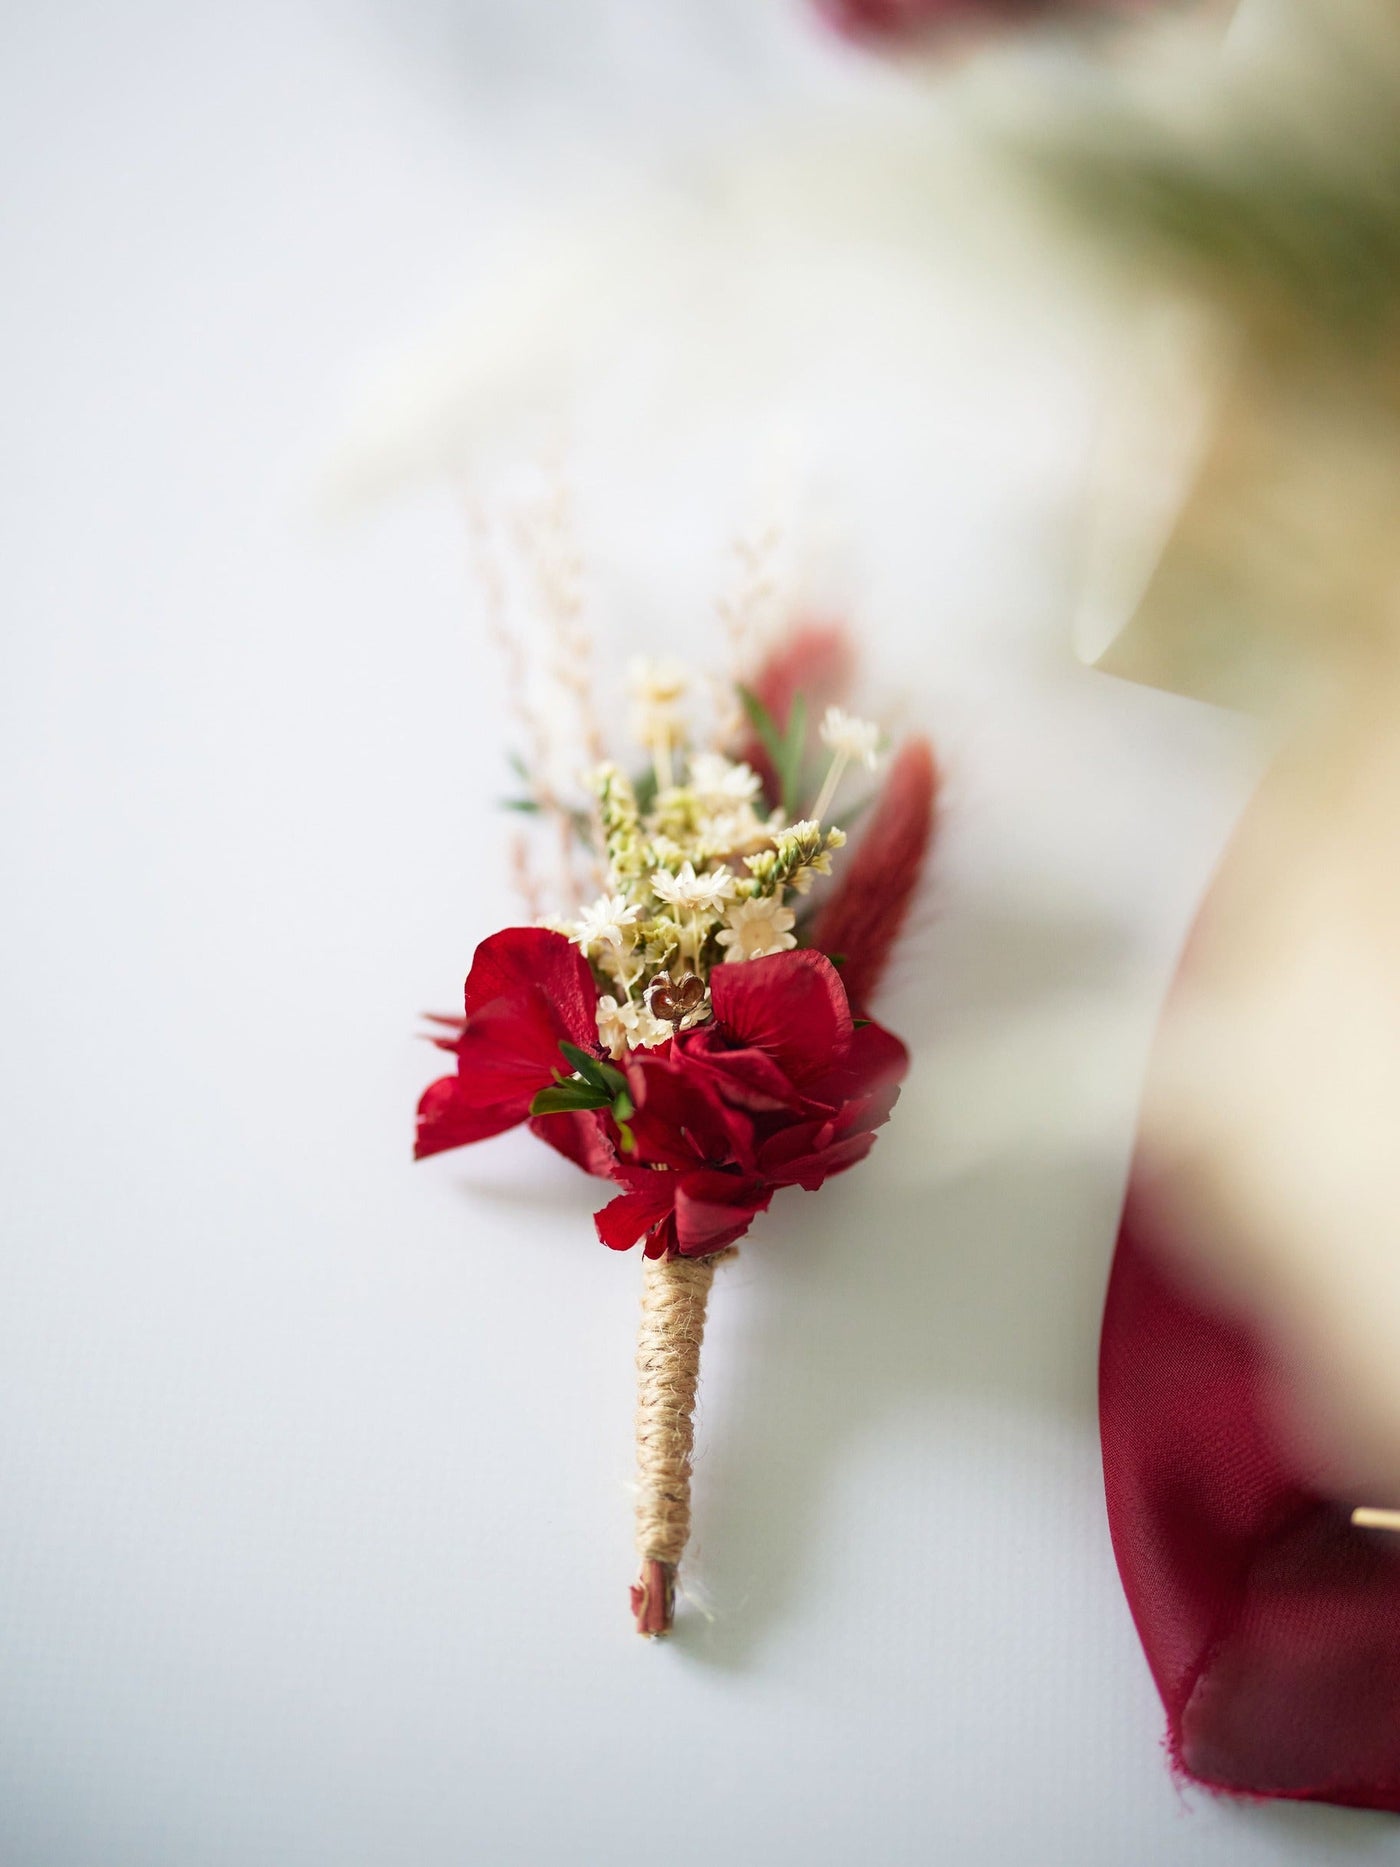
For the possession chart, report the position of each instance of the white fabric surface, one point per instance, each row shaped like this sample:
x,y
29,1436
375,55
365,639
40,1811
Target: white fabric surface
x,y
314,1519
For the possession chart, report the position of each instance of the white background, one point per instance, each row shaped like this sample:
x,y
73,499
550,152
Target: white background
x,y
314,1518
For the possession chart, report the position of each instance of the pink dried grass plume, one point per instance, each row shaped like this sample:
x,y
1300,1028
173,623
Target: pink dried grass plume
x,y
865,913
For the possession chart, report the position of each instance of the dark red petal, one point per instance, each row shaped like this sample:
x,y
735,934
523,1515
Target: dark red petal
x,y
863,1113
876,881
747,1079
447,1118
661,1240
790,1005
522,962
628,1217
681,1122
790,1143
874,1065
713,1209
581,1136
527,989
809,1170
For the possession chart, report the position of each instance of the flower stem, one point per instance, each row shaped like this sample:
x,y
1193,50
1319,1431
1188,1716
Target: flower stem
x,y
674,1294
835,772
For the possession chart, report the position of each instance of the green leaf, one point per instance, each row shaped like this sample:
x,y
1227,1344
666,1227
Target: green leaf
x,y
790,765
784,749
627,1138
526,805
565,1098
644,790
622,1107
594,1071
762,722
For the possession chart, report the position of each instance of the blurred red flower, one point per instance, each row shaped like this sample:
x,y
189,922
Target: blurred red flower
x,y
896,19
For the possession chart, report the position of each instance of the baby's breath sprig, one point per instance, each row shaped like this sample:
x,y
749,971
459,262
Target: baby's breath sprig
x,y
621,825
800,852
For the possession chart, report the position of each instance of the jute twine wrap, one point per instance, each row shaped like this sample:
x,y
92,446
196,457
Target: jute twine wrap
x,y
674,1294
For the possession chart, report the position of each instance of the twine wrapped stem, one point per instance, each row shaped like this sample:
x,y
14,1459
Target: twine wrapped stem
x,y
674,1295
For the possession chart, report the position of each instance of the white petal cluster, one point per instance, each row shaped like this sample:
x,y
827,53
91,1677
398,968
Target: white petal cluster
x,y
739,832
627,1026
719,783
850,738
689,891
658,689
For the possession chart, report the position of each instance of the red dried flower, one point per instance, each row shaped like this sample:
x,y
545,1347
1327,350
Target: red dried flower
x,y
782,1088
528,989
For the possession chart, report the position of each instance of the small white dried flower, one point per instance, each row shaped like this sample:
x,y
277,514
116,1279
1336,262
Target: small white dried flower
x,y
720,783
658,688
850,738
736,832
758,927
608,921
685,889
657,683
623,1027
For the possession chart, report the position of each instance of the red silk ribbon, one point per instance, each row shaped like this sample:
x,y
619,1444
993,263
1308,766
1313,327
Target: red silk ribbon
x,y
1270,1623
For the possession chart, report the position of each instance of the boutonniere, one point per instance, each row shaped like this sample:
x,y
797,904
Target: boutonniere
x,y
697,1034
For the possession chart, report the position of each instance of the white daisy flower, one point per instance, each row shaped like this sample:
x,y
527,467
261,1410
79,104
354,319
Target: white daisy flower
x,y
756,928
685,889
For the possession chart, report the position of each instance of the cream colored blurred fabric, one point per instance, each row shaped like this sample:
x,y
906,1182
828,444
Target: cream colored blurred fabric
x,y
1243,549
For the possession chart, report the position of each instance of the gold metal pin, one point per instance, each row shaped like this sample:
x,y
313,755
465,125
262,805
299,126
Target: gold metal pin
x,y
1366,1518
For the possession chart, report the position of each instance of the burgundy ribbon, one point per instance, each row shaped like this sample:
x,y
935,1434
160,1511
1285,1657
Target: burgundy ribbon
x,y
1270,1623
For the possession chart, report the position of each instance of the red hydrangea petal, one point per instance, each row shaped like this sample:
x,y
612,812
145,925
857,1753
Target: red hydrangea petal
x,y
661,1240
527,989
791,1005
583,1137
713,1209
809,1170
870,1073
520,963
631,1215
747,1079
681,1122
447,1118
